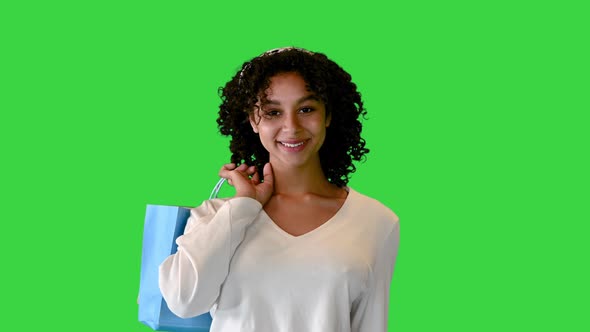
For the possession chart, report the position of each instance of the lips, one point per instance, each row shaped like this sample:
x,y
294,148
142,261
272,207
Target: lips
x,y
293,145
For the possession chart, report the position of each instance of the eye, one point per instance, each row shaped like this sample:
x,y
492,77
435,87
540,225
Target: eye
x,y
306,110
271,113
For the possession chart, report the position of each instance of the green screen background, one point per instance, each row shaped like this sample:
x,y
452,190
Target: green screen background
x,y
477,128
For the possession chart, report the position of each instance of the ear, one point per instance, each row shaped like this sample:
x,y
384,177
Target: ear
x,y
253,123
328,120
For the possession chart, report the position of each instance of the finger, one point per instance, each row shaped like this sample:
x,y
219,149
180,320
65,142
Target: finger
x,y
241,170
256,179
223,172
268,175
237,177
232,167
229,166
230,176
245,171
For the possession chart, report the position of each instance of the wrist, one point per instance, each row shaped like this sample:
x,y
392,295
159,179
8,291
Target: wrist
x,y
246,200
245,195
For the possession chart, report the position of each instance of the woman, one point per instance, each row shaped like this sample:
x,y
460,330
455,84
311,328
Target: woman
x,y
295,249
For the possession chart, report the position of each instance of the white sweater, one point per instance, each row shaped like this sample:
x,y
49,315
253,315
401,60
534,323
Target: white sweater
x,y
235,262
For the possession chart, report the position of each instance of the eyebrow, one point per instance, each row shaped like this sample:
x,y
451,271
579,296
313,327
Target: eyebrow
x,y
299,101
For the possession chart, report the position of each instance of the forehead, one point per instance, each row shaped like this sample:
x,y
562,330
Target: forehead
x,y
285,85
288,79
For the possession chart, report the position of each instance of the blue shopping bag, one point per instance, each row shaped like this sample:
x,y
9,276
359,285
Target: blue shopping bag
x,y
163,224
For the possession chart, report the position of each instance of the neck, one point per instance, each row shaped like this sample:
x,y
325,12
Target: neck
x,y
300,180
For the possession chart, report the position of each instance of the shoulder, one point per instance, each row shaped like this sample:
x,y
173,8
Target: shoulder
x,y
210,206
237,204
373,211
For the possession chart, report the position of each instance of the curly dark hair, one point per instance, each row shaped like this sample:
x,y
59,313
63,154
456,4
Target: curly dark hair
x,y
326,79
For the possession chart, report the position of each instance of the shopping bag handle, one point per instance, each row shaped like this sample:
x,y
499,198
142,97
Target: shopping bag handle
x,y
216,189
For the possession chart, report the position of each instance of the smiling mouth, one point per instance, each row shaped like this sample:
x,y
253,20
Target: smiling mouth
x,y
293,145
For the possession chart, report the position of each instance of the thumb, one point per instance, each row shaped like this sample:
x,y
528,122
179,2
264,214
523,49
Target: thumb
x,y
268,175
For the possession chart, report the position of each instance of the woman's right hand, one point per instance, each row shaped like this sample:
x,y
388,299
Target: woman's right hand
x,y
239,177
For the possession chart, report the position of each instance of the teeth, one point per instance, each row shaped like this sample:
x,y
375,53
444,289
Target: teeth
x,y
292,145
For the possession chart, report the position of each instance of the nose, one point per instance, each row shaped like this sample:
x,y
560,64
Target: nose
x,y
291,122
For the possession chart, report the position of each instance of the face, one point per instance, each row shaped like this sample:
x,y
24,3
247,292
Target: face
x,y
291,123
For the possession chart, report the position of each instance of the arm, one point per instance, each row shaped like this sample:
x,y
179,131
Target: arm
x,y
190,279
370,311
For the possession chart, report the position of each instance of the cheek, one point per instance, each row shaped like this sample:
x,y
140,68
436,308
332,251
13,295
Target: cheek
x,y
265,129
320,128
267,134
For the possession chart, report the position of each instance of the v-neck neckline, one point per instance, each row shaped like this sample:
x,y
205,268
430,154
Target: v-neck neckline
x,y
324,225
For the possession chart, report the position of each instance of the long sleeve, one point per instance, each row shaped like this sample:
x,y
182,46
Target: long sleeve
x,y
190,279
370,311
